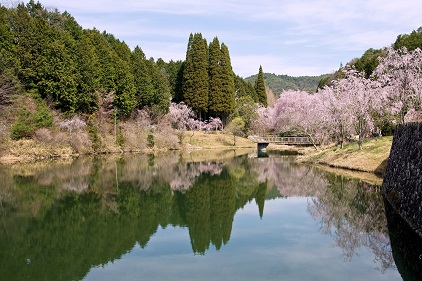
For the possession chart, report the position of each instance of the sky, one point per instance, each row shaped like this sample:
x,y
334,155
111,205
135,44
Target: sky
x,y
293,37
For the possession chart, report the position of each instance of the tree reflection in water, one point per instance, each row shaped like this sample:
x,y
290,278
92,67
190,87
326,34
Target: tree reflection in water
x,y
60,220
352,212
406,245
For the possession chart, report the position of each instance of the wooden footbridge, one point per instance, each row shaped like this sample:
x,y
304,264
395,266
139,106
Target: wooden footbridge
x,y
263,142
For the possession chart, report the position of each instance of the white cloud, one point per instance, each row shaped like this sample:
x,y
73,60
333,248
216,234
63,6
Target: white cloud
x,y
296,37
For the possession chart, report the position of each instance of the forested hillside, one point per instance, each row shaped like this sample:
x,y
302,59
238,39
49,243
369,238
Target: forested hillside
x,y
49,62
279,83
63,85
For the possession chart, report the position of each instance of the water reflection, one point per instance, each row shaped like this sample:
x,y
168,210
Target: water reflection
x,y
59,220
406,246
353,214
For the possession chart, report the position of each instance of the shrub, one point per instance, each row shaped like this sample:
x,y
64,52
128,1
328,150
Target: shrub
x,y
61,138
43,135
150,140
120,138
134,136
3,136
94,135
3,131
81,142
75,124
29,121
165,137
31,118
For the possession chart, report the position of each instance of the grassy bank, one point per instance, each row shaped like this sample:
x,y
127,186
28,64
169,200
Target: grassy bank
x,y
196,143
372,158
214,140
368,164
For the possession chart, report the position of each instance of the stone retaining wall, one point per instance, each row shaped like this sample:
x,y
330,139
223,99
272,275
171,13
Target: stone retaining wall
x,y
403,178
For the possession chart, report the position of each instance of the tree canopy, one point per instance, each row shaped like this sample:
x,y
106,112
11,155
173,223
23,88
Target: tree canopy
x,y
195,85
410,41
68,65
221,94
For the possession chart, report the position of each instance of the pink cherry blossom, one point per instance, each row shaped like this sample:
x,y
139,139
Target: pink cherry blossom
x,y
400,77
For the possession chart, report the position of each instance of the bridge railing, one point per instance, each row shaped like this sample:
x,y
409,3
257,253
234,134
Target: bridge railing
x,y
281,140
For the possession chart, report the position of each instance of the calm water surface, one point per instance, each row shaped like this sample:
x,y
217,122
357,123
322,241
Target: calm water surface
x,y
173,217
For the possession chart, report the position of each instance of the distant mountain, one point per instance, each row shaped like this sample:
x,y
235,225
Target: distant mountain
x,y
278,83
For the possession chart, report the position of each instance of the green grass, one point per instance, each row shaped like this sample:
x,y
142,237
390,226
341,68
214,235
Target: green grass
x,y
371,158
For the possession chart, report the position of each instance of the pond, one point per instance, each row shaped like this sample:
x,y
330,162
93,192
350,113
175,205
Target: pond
x,y
233,216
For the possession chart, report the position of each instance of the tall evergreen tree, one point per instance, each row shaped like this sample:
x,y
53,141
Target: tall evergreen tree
x,y
120,47
216,98
239,86
115,73
9,63
124,95
245,88
88,79
46,54
106,59
143,80
8,57
195,86
57,76
222,95
228,81
260,88
174,70
28,43
250,91
161,93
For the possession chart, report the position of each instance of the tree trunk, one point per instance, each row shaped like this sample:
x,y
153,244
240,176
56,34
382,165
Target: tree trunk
x,y
190,138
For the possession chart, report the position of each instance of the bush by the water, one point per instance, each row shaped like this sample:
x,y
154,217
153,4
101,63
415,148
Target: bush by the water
x,y
30,119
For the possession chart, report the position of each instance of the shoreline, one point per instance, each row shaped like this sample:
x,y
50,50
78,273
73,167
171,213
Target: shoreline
x,y
30,151
369,163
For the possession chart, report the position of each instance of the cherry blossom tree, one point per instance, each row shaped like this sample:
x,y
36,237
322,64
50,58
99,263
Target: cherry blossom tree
x,y
265,121
296,112
73,125
300,113
361,102
315,114
400,77
181,116
214,124
349,105
337,119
